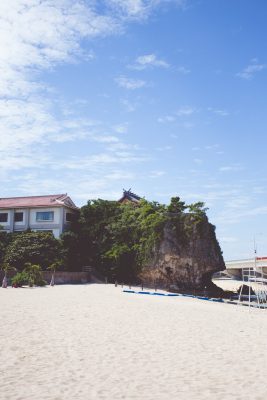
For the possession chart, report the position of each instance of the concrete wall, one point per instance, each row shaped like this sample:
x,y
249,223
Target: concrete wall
x,y
61,277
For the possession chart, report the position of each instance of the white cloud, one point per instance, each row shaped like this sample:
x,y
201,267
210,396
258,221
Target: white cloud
x,y
117,175
38,35
231,168
105,139
128,105
131,8
166,118
121,128
139,9
212,146
187,125
148,60
221,112
185,111
183,70
164,148
231,216
56,28
198,161
96,160
121,146
259,189
182,112
251,69
23,123
130,83
157,174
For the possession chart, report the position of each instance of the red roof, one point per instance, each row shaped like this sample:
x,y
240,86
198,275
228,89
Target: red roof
x,y
55,200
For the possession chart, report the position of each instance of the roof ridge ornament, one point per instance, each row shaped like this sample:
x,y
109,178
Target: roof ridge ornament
x,y
129,196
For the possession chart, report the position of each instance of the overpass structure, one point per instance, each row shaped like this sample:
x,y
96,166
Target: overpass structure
x,y
234,267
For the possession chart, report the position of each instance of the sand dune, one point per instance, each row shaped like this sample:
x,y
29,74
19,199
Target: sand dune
x,y
95,342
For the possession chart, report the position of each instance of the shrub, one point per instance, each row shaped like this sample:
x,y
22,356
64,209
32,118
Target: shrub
x,y
31,275
34,273
20,279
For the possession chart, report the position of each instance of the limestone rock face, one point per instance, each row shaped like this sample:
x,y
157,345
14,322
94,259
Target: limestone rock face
x,y
187,255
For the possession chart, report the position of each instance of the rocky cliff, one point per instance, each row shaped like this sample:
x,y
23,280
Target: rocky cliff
x,y
186,256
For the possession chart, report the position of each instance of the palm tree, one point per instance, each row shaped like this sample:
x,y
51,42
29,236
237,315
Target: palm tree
x,y
54,267
6,268
34,273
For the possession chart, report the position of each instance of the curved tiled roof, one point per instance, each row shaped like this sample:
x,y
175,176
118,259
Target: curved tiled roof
x,y
130,196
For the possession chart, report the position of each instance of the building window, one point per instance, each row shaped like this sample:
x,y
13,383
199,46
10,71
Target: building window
x,y
45,216
69,217
3,217
18,216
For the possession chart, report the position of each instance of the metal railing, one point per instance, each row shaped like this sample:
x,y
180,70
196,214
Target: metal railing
x,y
256,280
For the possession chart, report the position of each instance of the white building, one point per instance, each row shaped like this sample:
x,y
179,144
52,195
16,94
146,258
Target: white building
x,y
235,267
39,213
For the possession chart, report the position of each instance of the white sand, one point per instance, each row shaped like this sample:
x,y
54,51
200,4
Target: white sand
x,y
95,342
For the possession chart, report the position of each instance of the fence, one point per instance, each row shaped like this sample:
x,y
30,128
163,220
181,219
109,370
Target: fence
x,y
256,281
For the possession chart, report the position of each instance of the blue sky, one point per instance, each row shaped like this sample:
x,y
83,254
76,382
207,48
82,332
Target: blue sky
x,y
162,96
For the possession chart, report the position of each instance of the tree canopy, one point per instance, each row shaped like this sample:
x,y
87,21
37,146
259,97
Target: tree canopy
x,y
39,248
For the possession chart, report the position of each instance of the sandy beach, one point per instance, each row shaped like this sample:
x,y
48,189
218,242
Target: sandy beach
x,y
95,342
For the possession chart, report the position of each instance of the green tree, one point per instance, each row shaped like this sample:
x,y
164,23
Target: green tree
x,y
34,273
198,210
117,239
5,239
39,248
53,268
120,261
95,234
72,250
20,279
176,205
